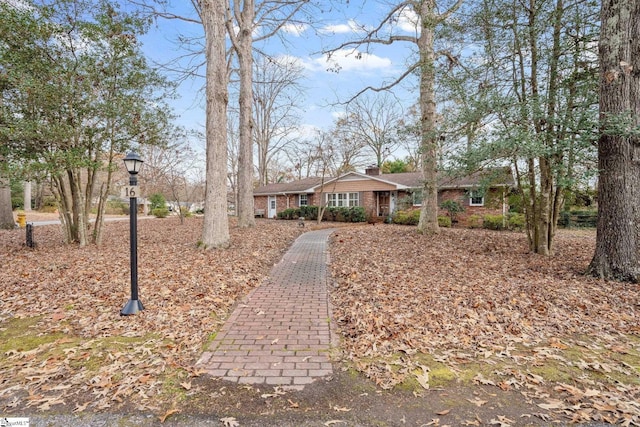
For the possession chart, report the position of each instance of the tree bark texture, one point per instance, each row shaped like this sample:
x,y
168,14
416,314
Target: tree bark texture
x,y
6,210
428,222
215,233
244,50
616,253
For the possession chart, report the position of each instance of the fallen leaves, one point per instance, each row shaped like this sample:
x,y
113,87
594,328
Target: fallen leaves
x,y
95,359
526,323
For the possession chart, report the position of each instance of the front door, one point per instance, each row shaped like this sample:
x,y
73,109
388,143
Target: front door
x,y
383,203
272,213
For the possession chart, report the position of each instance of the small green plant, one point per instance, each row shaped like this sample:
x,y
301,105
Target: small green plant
x,y
160,212
157,200
474,221
493,222
185,212
309,212
290,213
409,217
453,207
444,221
116,207
516,221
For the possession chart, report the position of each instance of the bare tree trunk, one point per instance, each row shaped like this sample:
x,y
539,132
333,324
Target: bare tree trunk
x,y
6,210
244,45
429,146
616,253
27,196
215,233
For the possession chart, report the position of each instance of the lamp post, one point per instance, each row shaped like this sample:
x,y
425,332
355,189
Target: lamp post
x,y
133,162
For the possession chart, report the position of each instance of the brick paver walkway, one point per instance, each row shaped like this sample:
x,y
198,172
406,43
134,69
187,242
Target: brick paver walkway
x,y
280,334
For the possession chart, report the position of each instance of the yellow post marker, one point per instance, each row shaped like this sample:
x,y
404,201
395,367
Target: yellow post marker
x,y
22,219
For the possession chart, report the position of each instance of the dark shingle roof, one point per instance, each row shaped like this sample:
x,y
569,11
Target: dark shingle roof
x,y
299,186
494,177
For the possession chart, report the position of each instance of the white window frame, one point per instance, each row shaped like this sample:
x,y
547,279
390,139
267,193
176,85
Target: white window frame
x,y
474,195
343,199
303,200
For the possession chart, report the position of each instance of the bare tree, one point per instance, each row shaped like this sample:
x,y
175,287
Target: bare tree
x,y
276,96
268,17
349,148
426,19
325,168
372,121
173,169
302,156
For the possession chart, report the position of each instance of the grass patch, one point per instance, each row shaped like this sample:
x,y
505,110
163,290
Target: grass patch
x,y
211,338
22,335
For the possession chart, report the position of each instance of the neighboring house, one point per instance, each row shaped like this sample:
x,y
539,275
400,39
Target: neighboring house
x,y
382,194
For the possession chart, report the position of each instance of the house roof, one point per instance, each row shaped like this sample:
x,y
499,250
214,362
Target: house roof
x,y
304,185
495,177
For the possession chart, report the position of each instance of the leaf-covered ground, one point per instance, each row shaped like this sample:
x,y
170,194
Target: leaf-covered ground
x,y
463,312
62,340
475,306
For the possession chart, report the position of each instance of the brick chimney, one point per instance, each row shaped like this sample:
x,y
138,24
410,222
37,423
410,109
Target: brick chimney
x,y
372,170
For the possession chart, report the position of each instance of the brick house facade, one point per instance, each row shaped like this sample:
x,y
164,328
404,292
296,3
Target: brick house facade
x,y
382,194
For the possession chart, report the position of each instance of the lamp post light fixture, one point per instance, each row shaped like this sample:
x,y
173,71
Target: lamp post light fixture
x,y
133,163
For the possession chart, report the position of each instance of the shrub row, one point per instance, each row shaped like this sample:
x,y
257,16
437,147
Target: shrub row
x,y
339,214
513,221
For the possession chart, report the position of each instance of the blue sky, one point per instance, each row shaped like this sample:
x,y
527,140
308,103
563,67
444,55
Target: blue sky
x,y
323,87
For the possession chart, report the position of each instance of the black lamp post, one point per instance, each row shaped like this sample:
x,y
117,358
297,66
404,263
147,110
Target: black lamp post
x,y
133,162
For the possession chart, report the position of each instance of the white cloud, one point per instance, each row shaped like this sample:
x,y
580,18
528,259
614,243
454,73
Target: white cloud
x,y
350,27
295,29
350,60
408,21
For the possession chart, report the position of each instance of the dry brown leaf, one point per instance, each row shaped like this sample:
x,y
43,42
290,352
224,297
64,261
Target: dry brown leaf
x,y
477,401
167,414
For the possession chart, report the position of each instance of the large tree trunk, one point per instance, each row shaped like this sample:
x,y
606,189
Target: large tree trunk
x,y
6,211
245,156
616,254
27,196
429,145
215,233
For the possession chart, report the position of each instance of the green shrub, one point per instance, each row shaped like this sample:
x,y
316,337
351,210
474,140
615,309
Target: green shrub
x,y
516,221
357,214
157,200
116,207
160,212
289,213
453,207
493,222
408,217
185,212
474,221
49,205
309,212
444,221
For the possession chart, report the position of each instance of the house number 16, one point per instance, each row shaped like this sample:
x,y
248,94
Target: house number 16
x,y
131,191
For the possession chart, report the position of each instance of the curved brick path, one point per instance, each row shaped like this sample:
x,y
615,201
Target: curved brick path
x,y
280,334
